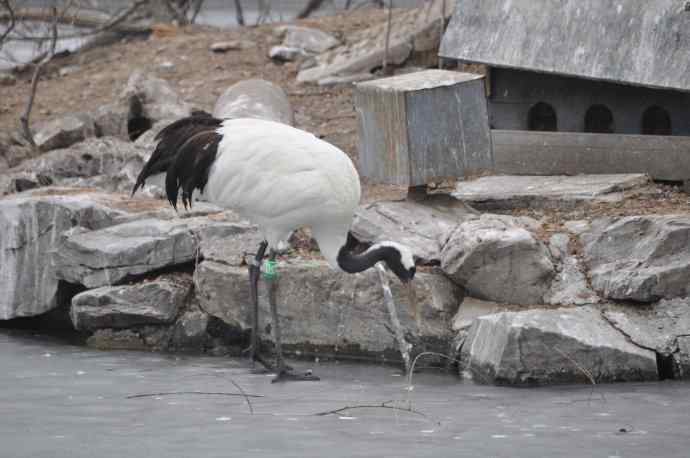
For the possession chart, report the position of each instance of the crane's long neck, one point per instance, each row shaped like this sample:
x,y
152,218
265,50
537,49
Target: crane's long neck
x,y
354,263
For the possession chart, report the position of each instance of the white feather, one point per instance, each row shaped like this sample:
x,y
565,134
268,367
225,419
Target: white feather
x,y
282,178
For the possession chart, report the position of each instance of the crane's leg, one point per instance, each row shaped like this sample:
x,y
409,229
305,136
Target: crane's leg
x,y
254,273
285,372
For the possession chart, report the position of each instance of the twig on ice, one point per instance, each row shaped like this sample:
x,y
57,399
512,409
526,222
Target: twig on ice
x,y
205,393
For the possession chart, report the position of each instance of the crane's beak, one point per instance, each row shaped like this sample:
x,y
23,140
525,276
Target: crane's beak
x,y
411,294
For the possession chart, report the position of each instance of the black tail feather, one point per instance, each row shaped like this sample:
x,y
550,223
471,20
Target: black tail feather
x,y
191,166
170,141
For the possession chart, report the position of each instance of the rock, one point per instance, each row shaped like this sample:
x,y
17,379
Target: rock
x,y
569,286
309,40
472,308
150,99
255,98
30,228
639,258
153,302
113,254
64,131
14,149
285,53
553,346
334,312
146,338
232,45
414,38
423,228
190,331
231,250
111,339
105,159
7,79
167,67
507,192
68,70
496,260
111,120
660,327
683,357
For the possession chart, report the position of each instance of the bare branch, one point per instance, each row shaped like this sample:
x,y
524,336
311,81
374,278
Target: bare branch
x,y
204,393
196,10
24,120
95,24
310,7
12,20
383,405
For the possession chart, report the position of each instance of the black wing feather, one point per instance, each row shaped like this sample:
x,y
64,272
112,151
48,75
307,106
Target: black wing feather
x,y
191,166
171,139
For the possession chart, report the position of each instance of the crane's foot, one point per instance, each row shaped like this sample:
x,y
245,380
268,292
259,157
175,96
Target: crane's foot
x,y
287,375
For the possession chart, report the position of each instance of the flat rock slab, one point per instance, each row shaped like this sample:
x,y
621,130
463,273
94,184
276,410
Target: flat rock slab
x,y
518,191
108,256
30,229
154,302
323,310
553,346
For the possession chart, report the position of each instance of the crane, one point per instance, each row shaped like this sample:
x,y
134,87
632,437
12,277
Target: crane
x,y
280,178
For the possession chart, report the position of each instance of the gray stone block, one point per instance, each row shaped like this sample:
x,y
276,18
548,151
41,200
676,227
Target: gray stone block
x,y
553,346
423,127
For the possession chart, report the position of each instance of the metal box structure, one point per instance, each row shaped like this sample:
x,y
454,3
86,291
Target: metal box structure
x,y
423,127
581,86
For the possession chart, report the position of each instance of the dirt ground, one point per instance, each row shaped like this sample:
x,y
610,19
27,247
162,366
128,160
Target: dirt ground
x,y
201,76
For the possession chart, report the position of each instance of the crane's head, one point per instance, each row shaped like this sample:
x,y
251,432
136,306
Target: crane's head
x,y
399,259
401,262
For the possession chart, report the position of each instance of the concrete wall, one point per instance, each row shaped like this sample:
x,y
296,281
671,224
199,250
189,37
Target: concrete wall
x,y
513,92
518,152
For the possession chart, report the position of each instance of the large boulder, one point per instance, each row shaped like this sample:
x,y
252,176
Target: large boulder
x,y
423,228
113,254
497,259
255,98
639,258
323,310
30,229
157,99
660,327
152,302
64,131
574,345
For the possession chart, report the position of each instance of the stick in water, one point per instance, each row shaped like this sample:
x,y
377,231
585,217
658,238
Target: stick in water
x,y
404,346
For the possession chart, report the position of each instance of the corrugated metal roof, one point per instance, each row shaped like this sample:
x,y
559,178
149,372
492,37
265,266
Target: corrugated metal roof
x,y
641,42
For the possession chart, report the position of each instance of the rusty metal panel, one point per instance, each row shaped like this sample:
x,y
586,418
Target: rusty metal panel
x,y
641,42
569,153
423,127
383,152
